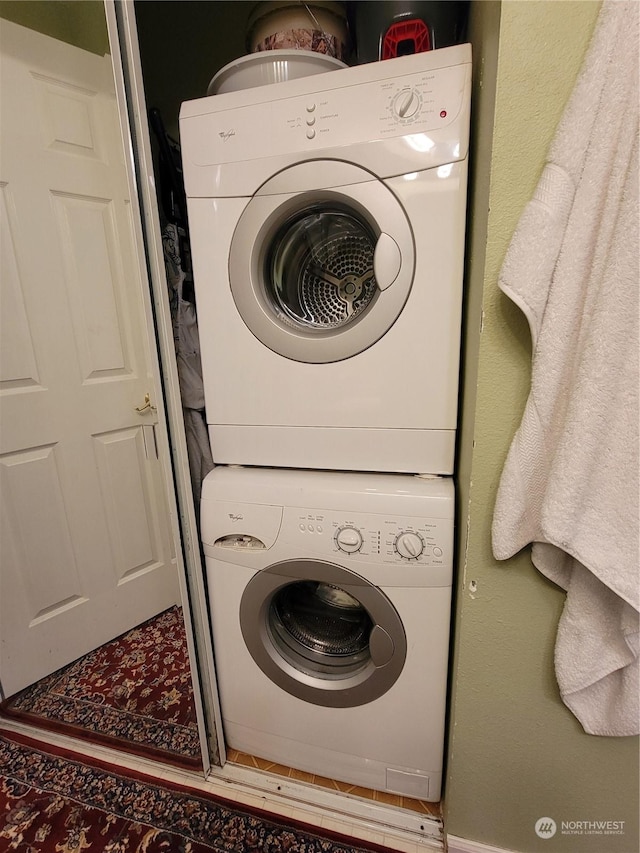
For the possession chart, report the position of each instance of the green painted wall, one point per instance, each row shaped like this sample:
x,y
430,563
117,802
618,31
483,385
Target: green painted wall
x,y
515,753
78,22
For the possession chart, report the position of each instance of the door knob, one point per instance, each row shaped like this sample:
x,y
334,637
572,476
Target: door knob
x,y
146,405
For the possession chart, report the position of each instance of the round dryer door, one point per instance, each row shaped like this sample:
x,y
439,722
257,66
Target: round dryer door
x,y
321,262
323,633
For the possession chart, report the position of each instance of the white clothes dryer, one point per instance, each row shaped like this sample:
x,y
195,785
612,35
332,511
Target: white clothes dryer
x,y
327,221
330,600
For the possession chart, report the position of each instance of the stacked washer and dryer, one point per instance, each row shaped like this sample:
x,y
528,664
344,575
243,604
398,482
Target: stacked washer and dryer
x,y
327,219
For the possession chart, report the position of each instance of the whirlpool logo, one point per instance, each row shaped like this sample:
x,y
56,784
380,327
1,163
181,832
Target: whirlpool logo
x,y
545,827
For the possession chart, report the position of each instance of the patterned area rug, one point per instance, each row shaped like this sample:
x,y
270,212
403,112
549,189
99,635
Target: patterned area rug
x,y
133,693
52,801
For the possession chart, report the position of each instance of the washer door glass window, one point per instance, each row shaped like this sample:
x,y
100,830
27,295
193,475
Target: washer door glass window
x,y
323,633
319,271
320,628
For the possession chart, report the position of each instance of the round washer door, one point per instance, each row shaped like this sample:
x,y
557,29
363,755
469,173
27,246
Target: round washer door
x,y
320,273
322,633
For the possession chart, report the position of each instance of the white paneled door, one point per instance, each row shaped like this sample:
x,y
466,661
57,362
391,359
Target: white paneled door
x,y
85,548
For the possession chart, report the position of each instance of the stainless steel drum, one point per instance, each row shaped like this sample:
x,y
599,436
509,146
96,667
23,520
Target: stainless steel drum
x,y
320,269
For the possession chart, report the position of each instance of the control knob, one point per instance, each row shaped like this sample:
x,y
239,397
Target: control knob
x,y
406,103
349,540
409,545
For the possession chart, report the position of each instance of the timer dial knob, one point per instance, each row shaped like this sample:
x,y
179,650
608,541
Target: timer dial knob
x,y
349,539
409,545
406,103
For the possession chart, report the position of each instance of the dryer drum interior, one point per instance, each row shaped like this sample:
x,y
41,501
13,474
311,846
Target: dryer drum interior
x,y
319,269
319,275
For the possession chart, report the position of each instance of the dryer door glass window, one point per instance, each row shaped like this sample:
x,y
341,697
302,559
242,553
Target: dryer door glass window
x,y
319,270
321,261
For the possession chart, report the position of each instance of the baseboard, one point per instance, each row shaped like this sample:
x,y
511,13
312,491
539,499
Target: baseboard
x,y
463,845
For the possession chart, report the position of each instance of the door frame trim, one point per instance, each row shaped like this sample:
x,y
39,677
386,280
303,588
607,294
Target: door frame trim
x,y
172,446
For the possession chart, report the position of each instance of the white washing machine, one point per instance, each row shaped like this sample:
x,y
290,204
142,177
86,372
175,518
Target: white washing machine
x,y
327,220
330,602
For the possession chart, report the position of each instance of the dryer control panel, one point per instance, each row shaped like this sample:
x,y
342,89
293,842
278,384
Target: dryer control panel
x,y
420,103
396,117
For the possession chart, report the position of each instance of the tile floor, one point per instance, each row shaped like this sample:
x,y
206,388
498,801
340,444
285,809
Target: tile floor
x,y
396,800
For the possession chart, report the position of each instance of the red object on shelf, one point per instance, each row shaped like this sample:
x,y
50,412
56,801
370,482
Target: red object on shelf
x,y
412,33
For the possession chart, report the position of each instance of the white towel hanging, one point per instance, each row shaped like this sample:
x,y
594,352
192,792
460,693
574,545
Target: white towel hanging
x,y
570,482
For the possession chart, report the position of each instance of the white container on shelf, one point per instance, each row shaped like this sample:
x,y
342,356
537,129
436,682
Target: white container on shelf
x,y
273,66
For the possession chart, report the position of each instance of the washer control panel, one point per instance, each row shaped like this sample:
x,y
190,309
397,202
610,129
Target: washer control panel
x,y
369,537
